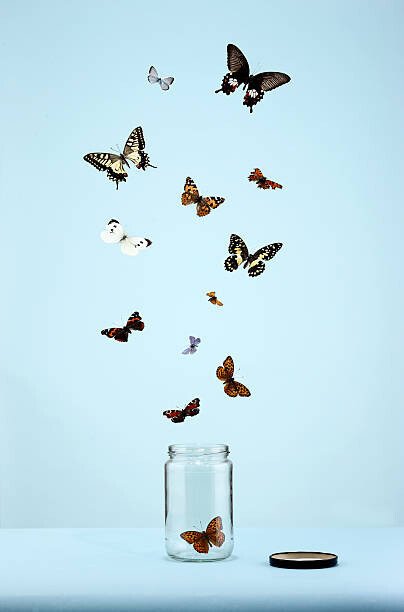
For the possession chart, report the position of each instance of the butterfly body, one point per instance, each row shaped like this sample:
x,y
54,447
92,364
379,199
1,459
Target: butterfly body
x,y
154,78
191,195
178,416
232,387
114,164
121,334
202,541
239,254
130,245
262,181
239,74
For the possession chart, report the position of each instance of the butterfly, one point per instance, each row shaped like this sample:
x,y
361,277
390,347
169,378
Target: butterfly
x,y
178,416
114,164
256,85
262,181
121,334
203,540
254,261
191,196
213,299
130,245
231,386
154,78
193,343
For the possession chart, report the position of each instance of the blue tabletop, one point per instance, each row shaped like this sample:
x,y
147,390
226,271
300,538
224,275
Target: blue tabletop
x,y
126,569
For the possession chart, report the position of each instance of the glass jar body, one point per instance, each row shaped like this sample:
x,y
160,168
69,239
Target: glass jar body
x,y
198,488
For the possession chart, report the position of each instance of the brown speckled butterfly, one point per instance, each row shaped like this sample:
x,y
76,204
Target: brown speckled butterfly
x,y
256,85
121,334
203,540
262,181
231,387
213,299
203,204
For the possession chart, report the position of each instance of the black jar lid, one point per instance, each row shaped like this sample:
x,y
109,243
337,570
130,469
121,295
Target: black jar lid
x,y
303,559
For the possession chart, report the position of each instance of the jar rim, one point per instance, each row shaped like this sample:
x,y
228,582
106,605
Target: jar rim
x,y
194,449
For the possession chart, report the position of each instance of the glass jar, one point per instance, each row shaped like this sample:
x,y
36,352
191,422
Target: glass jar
x,y
199,502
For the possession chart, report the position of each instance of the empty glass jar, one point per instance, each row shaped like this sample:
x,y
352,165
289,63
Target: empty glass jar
x,y
199,502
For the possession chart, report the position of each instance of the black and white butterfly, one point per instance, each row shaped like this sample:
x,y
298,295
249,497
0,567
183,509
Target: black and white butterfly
x,y
154,78
239,74
193,345
115,164
130,245
253,261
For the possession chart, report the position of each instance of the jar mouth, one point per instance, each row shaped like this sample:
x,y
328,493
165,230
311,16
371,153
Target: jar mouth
x,y
197,449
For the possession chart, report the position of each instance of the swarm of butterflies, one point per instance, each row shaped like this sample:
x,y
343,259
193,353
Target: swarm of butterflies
x,y
117,164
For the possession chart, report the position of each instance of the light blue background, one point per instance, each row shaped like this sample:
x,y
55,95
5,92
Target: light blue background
x,y
317,338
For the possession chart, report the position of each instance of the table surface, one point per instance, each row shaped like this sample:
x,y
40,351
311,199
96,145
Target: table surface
x,y
126,569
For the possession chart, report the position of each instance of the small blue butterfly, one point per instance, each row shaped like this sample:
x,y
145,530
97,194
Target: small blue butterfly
x,y
193,343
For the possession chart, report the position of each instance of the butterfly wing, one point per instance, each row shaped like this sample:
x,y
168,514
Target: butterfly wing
x,y
135,322
202,545
239,70
133,245
177,416
135,142
226,371
268,184
191,193
239,253
256,264
187,351
197,539
271,80
192,409
134,145
166,82
113,232
153,75
211,294
204,206
214,531
260,83
242,390
118,333
111,163
134,149
231,389
218,302
255,175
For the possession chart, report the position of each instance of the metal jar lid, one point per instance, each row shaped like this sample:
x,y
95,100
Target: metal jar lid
x,y
303,559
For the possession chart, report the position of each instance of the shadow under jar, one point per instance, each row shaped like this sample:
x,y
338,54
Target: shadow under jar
x,y
198,502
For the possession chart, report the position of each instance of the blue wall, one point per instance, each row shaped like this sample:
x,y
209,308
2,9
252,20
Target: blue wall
x,y
317,338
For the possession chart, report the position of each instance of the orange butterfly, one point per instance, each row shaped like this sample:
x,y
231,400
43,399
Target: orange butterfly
x,y
231,386
213,299
202,540
191,196
262,181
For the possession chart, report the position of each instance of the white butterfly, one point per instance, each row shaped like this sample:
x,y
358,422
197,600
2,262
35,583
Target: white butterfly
x,y
130,245
154,78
